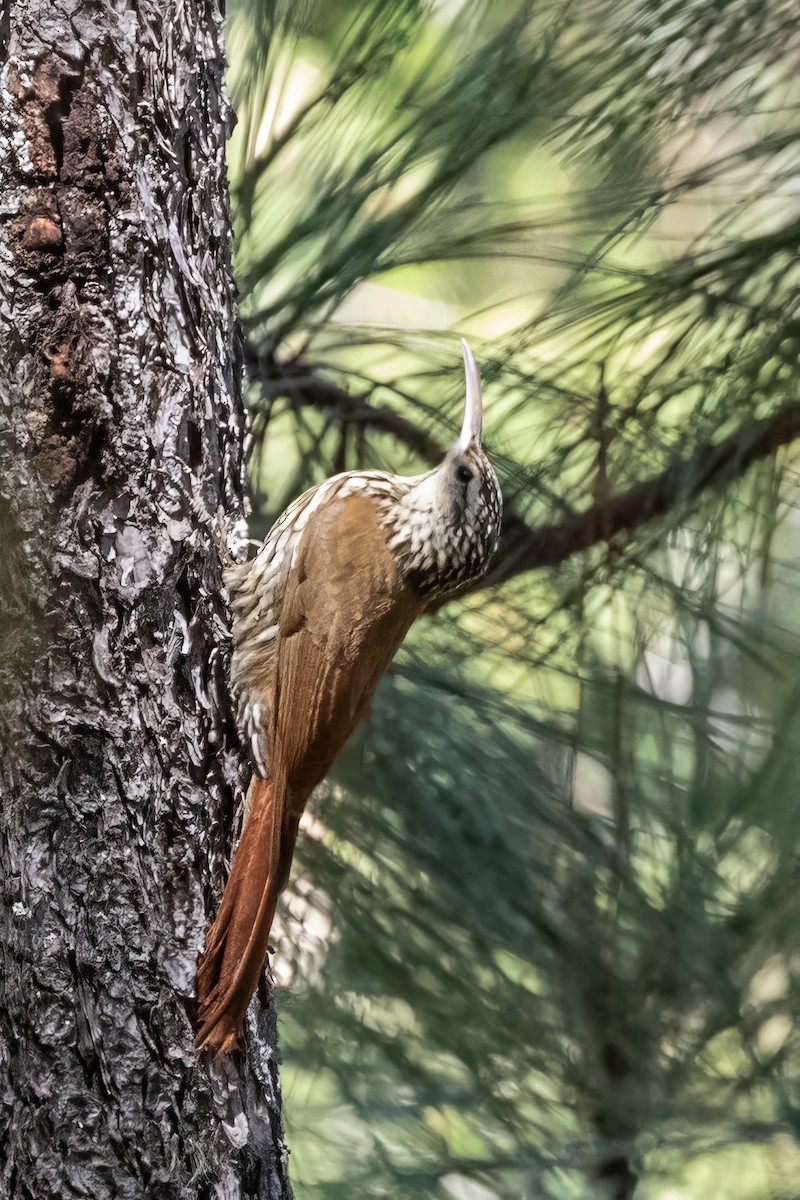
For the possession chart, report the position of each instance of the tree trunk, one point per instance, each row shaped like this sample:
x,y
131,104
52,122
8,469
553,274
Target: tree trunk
x,y
120,479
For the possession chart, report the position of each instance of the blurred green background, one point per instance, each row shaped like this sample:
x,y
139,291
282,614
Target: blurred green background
x,y
542,938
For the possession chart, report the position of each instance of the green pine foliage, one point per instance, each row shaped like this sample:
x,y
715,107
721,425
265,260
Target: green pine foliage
x,y
543,936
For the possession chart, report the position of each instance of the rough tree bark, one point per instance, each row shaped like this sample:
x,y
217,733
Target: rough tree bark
x,y
120,474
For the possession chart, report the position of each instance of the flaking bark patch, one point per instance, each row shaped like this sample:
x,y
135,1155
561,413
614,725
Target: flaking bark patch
x,y
121,484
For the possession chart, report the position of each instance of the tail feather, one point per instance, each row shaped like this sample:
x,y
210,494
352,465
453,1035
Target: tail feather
x,y
236,945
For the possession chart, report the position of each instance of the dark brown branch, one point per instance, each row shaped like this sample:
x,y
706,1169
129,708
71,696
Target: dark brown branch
x,y
303,386
523,548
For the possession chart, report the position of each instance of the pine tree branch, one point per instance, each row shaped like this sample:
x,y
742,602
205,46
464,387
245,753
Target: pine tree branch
x,y
522,547
305,387
713,464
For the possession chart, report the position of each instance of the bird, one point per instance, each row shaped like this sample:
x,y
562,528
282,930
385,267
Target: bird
x,y
318,614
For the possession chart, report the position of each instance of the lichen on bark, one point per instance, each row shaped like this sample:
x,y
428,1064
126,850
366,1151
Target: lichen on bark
x,y
121,484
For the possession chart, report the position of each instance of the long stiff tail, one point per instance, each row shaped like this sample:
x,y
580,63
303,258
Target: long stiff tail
x,y
236,944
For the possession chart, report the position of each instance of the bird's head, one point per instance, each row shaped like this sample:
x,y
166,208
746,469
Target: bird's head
x,y
455,510
468,488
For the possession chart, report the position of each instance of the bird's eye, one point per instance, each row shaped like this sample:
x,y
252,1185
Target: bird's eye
x,y
464,474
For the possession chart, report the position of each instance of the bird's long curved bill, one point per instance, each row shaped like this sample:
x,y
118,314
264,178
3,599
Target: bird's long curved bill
x,y
473,408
